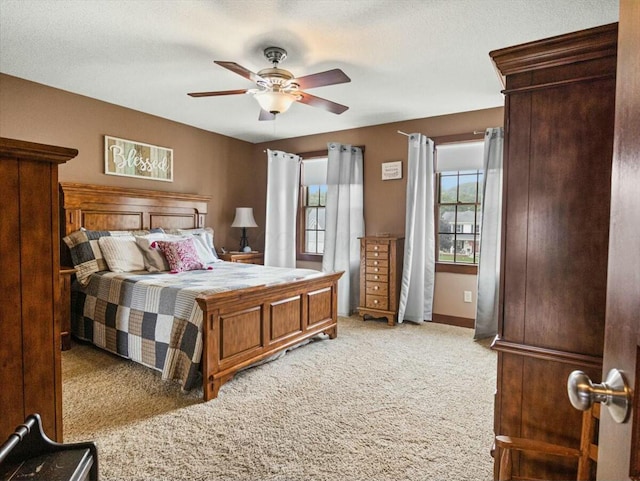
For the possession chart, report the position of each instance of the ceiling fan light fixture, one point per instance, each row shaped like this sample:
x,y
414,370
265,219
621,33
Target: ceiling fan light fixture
x,y
276,88
275,102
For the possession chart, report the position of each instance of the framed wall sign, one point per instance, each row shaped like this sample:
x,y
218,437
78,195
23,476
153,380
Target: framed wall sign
x,y
392,170
135,159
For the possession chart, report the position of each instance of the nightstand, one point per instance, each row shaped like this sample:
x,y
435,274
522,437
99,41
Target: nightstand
x,y
64,310
253,257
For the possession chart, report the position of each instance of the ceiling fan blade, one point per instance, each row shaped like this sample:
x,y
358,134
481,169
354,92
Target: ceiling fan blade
x,y
264,115
240,70
330,77
314,101
220,92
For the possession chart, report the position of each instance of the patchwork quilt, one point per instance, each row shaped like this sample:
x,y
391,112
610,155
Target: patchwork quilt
x,y
152,317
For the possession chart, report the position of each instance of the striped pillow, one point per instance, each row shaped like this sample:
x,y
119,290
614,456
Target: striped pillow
x,y
121,253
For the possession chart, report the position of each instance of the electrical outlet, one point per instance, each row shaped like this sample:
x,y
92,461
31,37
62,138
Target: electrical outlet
x,y
467,296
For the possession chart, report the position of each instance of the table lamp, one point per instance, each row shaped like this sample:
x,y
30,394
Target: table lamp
x,y
244,218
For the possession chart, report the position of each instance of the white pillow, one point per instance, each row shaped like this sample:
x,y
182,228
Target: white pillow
x,y
203,250
206,237
121,253
154,260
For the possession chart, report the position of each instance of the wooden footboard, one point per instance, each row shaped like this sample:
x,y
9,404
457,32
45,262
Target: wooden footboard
x,y
245,326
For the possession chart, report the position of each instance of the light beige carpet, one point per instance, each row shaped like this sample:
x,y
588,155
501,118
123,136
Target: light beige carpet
x,y
376,403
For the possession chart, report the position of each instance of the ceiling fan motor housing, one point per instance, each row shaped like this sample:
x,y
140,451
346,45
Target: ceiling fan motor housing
x,y
275,55
276,76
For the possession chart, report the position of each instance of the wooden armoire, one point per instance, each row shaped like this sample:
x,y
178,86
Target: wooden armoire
x,y
559,123
29,283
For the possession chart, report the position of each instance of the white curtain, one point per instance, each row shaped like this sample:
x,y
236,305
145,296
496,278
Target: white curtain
x,y
344,222
489,265
418,274
283,180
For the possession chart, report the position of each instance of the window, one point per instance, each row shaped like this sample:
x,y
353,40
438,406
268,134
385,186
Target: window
x,y
313,201
459,213
459,202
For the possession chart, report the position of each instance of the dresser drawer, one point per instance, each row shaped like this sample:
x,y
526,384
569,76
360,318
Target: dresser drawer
x,y
381,263
249,261
377,277
376,302
373,255
377,247
377,288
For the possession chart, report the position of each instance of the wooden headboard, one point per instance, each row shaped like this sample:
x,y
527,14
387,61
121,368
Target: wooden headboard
x,y
100,207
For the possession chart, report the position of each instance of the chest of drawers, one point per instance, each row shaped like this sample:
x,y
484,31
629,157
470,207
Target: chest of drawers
x,y
380,276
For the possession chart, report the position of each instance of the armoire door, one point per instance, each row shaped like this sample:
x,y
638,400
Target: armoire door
x,y
559,124
619,452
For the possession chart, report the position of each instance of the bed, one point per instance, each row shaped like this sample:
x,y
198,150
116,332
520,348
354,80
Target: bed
x,y
237,327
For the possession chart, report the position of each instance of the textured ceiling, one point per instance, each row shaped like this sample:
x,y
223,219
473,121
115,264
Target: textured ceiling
x,y
407,59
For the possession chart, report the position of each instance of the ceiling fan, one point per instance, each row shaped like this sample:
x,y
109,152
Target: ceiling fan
x,y
276,88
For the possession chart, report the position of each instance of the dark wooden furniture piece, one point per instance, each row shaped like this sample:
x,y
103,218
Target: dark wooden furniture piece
x,y
28,454
66,274
619,444
240,327
585,456
559,118
380,276
253,257
30,333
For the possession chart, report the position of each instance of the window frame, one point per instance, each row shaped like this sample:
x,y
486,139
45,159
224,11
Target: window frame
x,y
442,266
301,255
459,227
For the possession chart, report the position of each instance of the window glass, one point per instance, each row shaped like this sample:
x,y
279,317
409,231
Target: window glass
x,y
459,216
312,209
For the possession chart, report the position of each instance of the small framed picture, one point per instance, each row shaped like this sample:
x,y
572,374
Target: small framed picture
x,y
392,170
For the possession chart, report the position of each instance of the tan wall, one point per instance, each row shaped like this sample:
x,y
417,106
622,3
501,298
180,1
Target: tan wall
x,y
233,172
384,201
204,162
449,295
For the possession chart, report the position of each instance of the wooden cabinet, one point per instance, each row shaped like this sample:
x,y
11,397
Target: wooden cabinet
x,y
380,276
253,257
29,235
559,118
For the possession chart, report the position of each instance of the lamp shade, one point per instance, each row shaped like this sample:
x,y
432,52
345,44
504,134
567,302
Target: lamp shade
x,y
275,102
244,217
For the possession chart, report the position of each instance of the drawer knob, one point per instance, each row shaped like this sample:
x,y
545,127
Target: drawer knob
x,y
375,288
376,254
375,248
376,269
375,301
376,277
375,263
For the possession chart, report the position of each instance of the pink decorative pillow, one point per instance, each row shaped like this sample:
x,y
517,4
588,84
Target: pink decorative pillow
x,y
181,255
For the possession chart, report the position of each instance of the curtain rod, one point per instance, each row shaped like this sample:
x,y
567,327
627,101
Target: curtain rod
x,y
475,132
